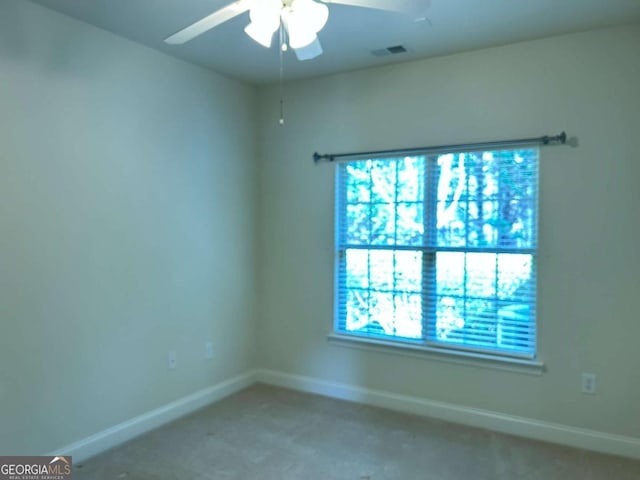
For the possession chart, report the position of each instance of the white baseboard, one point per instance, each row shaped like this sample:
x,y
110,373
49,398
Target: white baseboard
x,y
510,424
111,437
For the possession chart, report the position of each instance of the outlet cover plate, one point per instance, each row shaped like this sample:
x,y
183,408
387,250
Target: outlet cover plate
x,y
589,383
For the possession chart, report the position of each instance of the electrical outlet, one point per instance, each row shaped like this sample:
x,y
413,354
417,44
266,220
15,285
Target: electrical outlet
x,y
173,360
208,350
589,383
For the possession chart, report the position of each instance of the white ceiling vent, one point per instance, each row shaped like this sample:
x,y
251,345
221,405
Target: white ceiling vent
x,y
383,52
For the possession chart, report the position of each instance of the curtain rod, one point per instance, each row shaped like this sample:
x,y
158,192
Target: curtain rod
x,y
545,140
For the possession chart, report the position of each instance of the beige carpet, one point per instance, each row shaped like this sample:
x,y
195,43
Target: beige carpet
x,y
272,433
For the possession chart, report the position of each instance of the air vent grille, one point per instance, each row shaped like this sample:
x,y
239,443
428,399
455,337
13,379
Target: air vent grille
x,y
394,50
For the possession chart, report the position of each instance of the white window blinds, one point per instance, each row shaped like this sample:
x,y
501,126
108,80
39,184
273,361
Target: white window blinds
x,y
440,250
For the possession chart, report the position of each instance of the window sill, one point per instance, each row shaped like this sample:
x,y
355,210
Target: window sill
x,y
472,359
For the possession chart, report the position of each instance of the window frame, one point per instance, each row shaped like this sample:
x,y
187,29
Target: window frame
x,y
428,343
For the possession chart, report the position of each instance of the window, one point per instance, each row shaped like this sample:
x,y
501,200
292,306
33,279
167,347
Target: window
x,y
440,250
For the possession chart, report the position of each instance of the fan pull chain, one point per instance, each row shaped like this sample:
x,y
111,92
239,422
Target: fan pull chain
x,y
282,48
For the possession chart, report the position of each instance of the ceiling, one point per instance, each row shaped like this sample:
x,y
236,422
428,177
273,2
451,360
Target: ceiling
x,y
351,33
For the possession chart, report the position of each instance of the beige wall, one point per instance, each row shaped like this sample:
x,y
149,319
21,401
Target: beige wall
x,y
129,217
586,84
126,228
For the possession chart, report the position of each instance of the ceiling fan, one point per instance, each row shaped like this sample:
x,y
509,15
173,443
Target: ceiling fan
x,y
300,19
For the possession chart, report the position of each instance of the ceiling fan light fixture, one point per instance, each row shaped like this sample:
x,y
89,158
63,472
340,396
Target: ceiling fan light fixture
x,y
301,28
313,14
260,33
265,11
265,20
299,37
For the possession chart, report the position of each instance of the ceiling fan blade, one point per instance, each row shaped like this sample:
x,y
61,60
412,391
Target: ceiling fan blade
x,y
310,51
207,23
400,6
